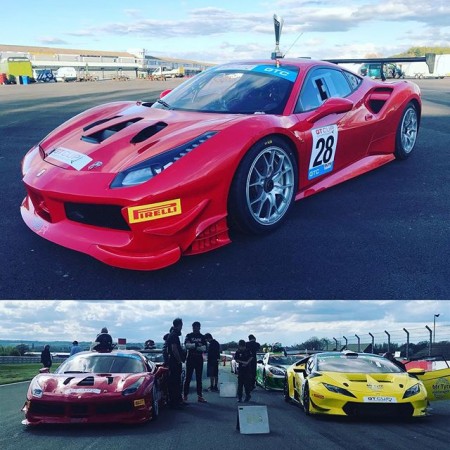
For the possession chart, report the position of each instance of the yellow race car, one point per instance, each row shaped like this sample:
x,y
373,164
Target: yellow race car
x,y
360,384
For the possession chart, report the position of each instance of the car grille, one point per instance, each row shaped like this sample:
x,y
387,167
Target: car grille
x,y
378,409
106,216
78,410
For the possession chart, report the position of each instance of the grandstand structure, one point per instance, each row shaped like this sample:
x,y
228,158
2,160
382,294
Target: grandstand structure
x,y
98,64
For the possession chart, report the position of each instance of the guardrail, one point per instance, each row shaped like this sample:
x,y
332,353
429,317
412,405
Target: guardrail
x,y
26,359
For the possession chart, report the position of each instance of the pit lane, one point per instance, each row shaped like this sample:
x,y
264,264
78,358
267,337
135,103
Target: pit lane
x,y
382,235
213,426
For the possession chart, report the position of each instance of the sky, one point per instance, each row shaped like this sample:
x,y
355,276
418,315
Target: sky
x,y
285,321
218,31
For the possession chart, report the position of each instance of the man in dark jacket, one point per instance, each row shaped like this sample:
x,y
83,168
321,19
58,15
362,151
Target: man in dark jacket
x,y
253,347
195,344
176,360
212,367
244,358
46,357
103,341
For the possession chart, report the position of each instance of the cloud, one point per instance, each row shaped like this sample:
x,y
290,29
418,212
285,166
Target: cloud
x,y
51,41
289,322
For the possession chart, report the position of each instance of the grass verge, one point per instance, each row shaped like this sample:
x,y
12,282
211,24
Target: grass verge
x,y
12,373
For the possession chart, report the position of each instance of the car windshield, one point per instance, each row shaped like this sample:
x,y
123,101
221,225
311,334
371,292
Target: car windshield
x,y
102,363
282,360
237,89
356,364
155,357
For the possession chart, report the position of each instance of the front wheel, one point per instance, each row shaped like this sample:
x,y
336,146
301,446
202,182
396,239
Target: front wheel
x,y
287,398
407,132
264,186
306,400
155,401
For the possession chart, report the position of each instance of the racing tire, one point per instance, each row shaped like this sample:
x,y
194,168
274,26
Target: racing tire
x,y
306,400
264,381
287,399
406,136
264,187
155,401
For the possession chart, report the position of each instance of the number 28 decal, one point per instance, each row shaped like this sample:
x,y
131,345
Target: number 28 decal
x,y
324,144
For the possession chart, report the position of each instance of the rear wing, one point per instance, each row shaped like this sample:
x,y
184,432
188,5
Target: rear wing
x,y
429,59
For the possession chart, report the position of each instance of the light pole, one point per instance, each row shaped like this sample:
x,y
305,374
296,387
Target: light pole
x,y
434,328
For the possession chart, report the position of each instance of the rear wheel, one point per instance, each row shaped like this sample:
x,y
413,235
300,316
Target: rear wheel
x,y
406,132
306,400
264,186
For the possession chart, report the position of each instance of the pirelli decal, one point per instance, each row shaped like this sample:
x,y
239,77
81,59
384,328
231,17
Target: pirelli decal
x,y
153,211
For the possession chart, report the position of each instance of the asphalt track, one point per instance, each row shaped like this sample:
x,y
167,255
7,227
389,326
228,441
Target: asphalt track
x,y
213,426
384,235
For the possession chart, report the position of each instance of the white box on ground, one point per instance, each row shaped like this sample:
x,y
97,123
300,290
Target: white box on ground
x,y
228,389
253,419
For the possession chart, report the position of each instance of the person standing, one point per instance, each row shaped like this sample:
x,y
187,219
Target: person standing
x,y
253,347
212,367
46,357
176,360
103,341
244,358
195,344
75,348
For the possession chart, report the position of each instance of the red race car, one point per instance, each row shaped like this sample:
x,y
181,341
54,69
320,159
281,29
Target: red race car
x,y
90,387
136,185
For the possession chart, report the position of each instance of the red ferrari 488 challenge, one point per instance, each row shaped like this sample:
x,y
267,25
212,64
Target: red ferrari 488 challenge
x,y
89,387
137,185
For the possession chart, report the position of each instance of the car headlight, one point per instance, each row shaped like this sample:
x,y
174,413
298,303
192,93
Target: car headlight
x,y
133,387
413,390
28,158
338,390
276,371
36,388
146,170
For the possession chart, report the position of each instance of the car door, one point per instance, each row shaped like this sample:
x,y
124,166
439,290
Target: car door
x,y
332,142
437,383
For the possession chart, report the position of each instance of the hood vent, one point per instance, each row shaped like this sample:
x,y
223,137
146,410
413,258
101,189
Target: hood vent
x,y
101,135
148,132
88,381
68,380
98,122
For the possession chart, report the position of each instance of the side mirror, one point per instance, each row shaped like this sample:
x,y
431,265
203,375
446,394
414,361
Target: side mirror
x,y
164,93
334,105
416,371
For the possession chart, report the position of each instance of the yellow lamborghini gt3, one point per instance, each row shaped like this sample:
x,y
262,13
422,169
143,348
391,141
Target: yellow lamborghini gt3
x,y
360,384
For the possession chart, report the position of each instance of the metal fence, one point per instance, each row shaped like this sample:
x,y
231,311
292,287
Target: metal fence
x,y
435,336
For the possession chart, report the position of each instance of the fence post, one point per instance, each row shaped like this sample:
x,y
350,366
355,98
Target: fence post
x,y
389,341
431,339
407,342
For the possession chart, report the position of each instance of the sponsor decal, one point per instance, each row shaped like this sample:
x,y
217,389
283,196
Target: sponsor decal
x,y
39,226
280,72
94,165
323,151
441,387
84,391
154,211
377,399
375,387
139,402
71,157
